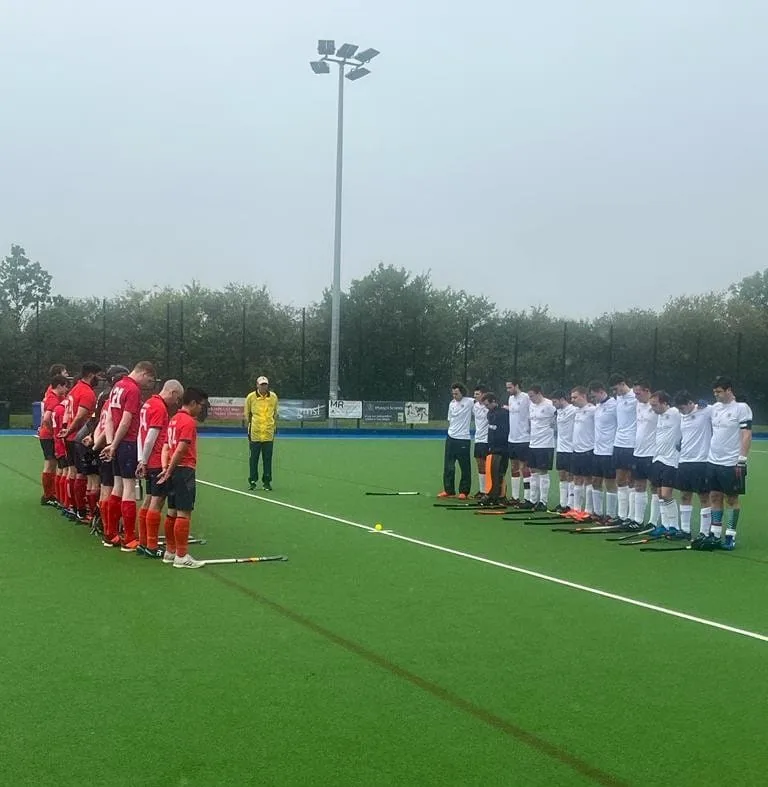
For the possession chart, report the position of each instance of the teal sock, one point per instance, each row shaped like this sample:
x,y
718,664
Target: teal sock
x,y
717,522
733,518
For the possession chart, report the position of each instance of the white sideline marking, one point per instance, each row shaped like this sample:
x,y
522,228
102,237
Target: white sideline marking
x,y
517,569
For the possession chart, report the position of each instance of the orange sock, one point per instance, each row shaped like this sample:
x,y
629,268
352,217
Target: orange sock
x,y
152,528
170,535
181,533
143,526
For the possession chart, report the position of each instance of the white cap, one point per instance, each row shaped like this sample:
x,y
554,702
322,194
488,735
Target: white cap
x,y
261,380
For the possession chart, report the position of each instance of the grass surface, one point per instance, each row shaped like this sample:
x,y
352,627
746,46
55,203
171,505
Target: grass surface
x,y
368,660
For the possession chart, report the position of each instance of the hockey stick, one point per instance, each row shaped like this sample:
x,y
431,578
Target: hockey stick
x,y
263,559
391,494
589,529
636,542
191,540
664,549
632,534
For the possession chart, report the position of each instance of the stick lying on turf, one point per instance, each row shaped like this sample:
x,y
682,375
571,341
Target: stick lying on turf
x,y
263,559
387,494
201,541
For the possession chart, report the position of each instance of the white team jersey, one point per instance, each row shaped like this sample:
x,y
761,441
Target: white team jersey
x,y
459,417
605,427
626,420
645,442
697,432
727,422
668,436
584,429
480,411
519,420
565,418
542,424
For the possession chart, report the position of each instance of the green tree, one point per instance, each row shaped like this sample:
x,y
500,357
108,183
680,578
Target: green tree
x,y
23,285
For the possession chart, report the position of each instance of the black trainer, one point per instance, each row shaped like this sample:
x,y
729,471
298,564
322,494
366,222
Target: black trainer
x,y
267,486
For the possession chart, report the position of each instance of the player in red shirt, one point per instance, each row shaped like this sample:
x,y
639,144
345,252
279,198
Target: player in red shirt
x,y
79,406
54,394
60,454
153,433
122,428
179,462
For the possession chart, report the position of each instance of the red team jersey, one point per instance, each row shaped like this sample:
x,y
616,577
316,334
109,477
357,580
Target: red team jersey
x,y
126,398
81,395
50,400
154,415
183,429
59,446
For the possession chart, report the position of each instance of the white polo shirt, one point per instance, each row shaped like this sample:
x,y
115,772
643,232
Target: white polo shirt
x,y
696,428
542,424
727,422
668,435
480,413
645,442
626,420
584,429
565,418
519,419
605,427
459,418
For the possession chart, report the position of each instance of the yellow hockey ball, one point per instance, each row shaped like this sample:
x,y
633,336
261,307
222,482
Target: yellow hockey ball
x,y
378,526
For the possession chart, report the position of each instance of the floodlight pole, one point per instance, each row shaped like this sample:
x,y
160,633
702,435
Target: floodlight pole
x,y
333,387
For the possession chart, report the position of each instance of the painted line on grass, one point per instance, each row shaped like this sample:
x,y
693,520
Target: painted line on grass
x,y
507,566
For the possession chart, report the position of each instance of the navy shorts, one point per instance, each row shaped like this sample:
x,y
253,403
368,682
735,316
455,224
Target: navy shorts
x,y
663,475
126,460
181,489
518,451
692,477
46,444
604,467
62,463
642,468
106,474
623,458
541,458
564,461
582,463
730,481
153,488
481,450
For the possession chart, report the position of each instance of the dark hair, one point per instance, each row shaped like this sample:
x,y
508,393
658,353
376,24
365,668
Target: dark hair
x,y
597,385
57,368
515,381
58,379
644,384
681,398
194,395
489,397
559,394
481,388
460,387
145,366
534,389
579,389
615,379
89,368
662,396
721,381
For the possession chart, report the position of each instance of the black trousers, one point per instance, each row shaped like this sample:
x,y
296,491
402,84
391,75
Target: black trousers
x,y
498,464
263,450
457,451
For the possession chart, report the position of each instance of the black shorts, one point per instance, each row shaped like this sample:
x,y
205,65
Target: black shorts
x,y
62,463
564,461
623,458
126,460
541,458
663,475
518,451
481,450
641,469
582,463
730,481
86,461
71,453
604,467
692,477
106,474
46,444
181,489
153,488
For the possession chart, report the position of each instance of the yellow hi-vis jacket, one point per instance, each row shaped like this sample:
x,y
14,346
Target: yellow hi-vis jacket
x,y
261,416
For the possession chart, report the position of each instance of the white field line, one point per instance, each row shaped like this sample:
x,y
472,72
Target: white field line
x,y
517,569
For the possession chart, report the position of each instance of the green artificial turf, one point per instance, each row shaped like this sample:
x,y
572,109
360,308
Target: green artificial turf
x,y
368,660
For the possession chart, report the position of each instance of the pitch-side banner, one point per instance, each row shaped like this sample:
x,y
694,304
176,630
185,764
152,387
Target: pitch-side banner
x,y
225,408
417,412
301,410
384,412
345,409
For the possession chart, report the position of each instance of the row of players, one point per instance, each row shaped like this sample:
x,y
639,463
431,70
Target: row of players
x,y
608,448
95,450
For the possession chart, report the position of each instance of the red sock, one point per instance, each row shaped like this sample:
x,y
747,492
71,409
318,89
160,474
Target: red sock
x,y
153,527
181,534
80,487
128,510
143,527
59,490
70,493
49,480
113,516
170,534
93,501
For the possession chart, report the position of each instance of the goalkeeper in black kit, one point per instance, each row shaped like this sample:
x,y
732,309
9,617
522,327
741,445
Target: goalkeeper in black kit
x,y
498,458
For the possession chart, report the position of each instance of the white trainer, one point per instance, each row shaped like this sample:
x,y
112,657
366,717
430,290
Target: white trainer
x,y
187,562
169,557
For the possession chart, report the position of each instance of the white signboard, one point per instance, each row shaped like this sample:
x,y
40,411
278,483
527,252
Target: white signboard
x,y
417,412
344,409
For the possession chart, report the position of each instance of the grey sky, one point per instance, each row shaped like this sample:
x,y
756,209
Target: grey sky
x,y
600,154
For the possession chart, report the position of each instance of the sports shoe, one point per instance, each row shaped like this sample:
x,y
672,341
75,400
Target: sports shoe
x,y
169,557
187,562
658,531
140,550
678,535
461,496
267,486
729,542
131,546
540,507
478,495
526,505
446,494
111,542
561,510
154,554
706,543
252,486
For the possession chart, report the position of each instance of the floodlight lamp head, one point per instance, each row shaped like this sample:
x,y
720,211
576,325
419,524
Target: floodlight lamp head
x,y
367,55
326,47
346,51
357,73
320,67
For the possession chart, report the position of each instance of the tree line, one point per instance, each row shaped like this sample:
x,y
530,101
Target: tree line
x,y
402,337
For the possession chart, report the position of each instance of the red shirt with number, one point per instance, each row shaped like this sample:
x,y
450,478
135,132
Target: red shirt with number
x,y
57,420
50,400
126,398
182,428
81,395
154,415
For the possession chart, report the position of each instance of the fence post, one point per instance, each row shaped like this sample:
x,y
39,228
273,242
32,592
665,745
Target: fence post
x,y
609,367
737,376
466,348
655,355
565,350
514,357
303,348
104,329
37,345
168,340
181,340
697,373
243,350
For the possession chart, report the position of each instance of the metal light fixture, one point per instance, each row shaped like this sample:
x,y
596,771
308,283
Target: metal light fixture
x,y
346,51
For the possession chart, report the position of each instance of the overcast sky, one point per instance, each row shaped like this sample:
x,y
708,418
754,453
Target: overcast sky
x,y
588,154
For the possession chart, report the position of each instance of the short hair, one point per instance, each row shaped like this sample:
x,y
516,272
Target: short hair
x,y
145,366
559,394
481,388
721,381
681,398
489,397
172,386
518,381
644,384
89,368
57,368
597,385
58,379
194,396
615,379
534,389
579,389
662,396
460,387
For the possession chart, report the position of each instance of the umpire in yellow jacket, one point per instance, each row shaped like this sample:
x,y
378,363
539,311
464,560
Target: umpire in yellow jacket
x,y
261,420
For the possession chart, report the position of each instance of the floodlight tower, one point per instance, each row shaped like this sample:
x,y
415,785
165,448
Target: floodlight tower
x,y
351,65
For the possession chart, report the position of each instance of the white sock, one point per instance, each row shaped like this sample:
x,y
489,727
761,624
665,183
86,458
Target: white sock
x,y
668,511
578,498
705,521
535,489
571,487
655,511
545,483
716,529
589,499
631,507
527,488
516,487
623,506
611,504
563,494
481,482
685,518
641,504
597,501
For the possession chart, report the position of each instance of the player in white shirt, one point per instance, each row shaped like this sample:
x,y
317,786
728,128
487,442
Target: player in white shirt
x,y
566,413
457,443
518,406
583,449
604,469
645,448
542,446
480,414
624,442
666,458
726,463
696,428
